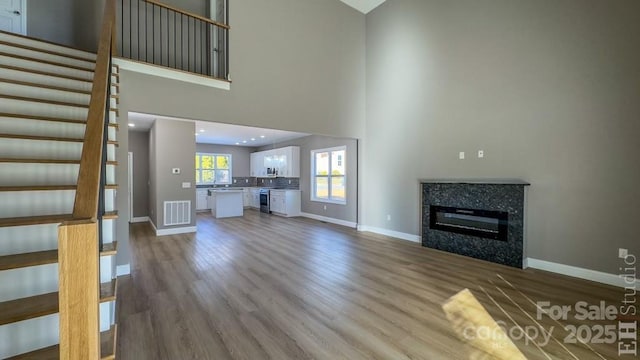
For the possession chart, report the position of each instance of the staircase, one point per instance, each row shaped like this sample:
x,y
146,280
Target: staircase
x,y
45,90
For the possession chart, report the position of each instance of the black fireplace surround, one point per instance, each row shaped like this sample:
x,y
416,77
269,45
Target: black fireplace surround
x,y
483,219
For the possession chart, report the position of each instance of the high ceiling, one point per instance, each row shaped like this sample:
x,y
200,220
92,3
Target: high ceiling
x,y
219,133
364,6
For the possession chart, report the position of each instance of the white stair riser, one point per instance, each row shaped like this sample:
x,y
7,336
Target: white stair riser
x,y
45,94
29,335
32,238
18,75
26,239
16,174
37,149
47,46
8,49
35,108
50,68
31,281
19,126
35,203
26,76
41,332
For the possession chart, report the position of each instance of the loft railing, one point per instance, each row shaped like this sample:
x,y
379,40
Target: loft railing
x,y
160,34
79,240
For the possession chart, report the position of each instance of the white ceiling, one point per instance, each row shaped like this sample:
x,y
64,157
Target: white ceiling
x,y
219,133
364,6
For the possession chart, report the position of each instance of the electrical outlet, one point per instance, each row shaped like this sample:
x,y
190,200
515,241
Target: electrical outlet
x,y
246,181
325,208
289,182
461,155
270,181
480,154
235,181
388,217
622,253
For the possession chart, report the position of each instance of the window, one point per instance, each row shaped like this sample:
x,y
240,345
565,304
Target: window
x,y
213,169
328,175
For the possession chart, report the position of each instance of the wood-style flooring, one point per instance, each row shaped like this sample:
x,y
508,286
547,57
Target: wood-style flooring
x,y
266,287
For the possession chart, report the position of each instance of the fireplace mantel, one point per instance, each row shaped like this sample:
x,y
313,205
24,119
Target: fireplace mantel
x,y
490,195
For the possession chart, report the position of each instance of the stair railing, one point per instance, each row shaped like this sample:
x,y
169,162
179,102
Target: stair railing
x,y
79,240
160,34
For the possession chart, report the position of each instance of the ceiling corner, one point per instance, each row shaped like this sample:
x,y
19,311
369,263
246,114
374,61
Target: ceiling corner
x,y
364,6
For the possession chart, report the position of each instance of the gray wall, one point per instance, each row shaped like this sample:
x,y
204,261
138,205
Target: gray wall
x,y
174,146
348,212
309,80
139,146
51,20
240,158
548,89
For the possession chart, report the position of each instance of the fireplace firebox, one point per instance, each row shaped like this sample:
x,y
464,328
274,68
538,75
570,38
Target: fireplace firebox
x,y
481,223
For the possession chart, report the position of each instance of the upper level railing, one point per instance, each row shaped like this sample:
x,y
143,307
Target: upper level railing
x,y
79,239
160,34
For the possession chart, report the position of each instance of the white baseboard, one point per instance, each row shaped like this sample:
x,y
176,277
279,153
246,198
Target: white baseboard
x,y
174,231
391,233
155,229
581,273
329,220
140,219
161,71
122,270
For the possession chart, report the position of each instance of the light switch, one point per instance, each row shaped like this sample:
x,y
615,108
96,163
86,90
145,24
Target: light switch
x,y
461,155
175,171
186,185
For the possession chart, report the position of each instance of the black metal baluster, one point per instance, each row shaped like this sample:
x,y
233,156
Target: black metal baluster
x,y
146,32
175,44
188,45
130,26
153,32
138,30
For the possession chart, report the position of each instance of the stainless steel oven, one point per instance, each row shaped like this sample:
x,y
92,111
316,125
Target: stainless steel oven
x,y
264,201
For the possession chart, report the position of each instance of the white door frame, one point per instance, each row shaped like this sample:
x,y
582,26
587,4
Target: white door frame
x,y
130,185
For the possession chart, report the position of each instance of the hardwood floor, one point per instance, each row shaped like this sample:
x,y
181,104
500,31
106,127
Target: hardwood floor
x,y
266,287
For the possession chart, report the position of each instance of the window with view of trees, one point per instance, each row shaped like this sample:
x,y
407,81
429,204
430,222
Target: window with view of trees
x,y
213,169
329,177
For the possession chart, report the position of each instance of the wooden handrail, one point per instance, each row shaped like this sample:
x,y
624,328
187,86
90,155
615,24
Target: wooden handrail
x,y
87,194
199,17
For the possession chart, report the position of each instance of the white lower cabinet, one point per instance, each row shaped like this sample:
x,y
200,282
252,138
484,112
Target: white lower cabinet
x,y
201,199
285,202
246,197
255,198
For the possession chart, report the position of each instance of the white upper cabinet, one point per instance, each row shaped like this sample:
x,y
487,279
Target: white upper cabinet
x,y
286,162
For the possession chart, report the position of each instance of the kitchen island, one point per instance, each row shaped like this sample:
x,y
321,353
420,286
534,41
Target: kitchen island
x,y
226,203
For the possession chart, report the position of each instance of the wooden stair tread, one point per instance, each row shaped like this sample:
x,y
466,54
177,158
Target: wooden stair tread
x,y
48,62
46,161
35,220
27,47
38,137
50,102
37,258
109,215
47,118
45,73
46,304
50,87
107,349
28,308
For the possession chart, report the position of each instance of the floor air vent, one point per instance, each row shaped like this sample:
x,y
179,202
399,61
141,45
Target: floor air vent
x,y
177,212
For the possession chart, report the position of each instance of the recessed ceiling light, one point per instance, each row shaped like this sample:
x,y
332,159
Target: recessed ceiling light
x,y
237,143
244,141
201,130
253,139
132,125
197,134
261,136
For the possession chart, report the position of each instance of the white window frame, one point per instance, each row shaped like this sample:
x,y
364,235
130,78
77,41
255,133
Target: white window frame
x,y
313,175
214,169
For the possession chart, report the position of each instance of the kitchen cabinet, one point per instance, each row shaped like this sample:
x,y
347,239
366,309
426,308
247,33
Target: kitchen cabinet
x,y
285,160
246,197
255,198
201,199
285,202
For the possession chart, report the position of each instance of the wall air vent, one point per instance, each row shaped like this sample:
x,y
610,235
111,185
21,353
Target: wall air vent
x,y
177,212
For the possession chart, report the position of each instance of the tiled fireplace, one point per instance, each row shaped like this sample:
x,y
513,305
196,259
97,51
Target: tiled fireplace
x,y
483,219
